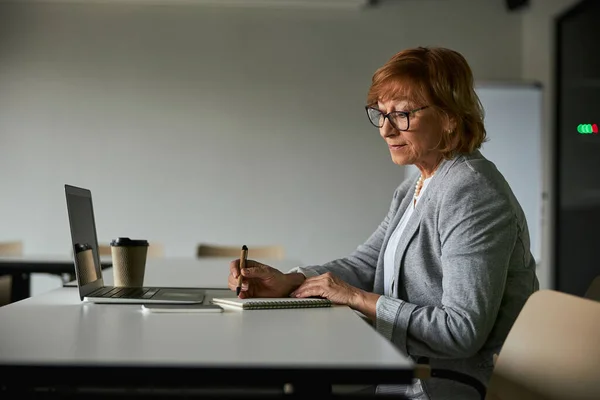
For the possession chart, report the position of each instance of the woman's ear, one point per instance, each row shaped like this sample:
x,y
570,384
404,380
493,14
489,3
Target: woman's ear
x,y
449,123
449,126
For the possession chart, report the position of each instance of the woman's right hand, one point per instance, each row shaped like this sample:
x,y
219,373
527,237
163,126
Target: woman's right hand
x,y
260,280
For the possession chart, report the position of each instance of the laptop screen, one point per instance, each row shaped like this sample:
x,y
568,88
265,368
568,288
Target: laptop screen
x,y
83,236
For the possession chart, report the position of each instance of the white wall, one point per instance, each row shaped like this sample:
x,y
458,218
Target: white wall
x,y
538,64
198,124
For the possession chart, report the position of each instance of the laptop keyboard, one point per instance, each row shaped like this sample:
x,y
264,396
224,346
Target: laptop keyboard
x,y
125,292
101,292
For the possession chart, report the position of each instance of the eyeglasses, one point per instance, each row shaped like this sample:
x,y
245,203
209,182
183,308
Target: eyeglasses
x,y
400,120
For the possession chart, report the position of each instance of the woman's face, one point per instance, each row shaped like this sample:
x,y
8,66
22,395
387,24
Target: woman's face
x,y
418,144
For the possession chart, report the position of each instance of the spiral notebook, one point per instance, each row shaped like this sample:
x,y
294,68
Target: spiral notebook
x,y
272,303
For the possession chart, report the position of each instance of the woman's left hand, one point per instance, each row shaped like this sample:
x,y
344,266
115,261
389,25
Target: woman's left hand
x,y
330,287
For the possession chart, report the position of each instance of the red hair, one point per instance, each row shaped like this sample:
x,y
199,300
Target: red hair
x,y
442,79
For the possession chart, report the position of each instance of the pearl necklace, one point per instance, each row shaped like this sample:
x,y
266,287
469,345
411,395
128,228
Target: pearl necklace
x,y
419,185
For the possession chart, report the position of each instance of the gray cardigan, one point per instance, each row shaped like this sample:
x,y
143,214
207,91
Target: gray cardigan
x,y
464,270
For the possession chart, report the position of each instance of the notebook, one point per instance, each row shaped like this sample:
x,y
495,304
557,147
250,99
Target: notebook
x,y
272,303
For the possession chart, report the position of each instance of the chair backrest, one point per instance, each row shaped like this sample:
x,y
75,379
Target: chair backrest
x,y
551,352
274,252
11,248
104,250
155,250
8,249
593,291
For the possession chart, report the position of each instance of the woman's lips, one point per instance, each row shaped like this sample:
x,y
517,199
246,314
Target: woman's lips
x,y
396,146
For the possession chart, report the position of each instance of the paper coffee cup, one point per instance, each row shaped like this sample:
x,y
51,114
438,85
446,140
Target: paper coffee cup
x,y
128,261
86,267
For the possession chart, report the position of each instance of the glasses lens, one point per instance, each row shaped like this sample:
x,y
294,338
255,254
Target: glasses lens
x,y
375,116
400,120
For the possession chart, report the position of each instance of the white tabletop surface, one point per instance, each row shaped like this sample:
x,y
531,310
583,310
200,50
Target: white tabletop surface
x,y
206,272
57,328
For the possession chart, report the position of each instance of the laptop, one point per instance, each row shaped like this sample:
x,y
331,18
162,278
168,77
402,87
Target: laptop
x,y
88,270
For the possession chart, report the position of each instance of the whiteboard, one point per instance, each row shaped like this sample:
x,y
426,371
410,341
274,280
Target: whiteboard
x,y
513,121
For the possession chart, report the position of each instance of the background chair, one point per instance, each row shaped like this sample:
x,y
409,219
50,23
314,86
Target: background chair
x,y
104,250
155,250
274,252
593,292
551,352
11,248
8,249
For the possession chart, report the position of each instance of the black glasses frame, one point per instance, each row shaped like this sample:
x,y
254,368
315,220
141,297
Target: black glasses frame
x,y
406,114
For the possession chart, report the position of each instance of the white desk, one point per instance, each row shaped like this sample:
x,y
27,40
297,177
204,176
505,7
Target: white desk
x,y
206,272
63,340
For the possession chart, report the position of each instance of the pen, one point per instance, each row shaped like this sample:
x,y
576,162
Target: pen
x,y
242,265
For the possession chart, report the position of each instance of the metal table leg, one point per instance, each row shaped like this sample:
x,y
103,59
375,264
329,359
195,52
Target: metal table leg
x,y
21,287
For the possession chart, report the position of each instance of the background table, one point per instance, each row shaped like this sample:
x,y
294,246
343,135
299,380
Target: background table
x,y
55,339
206,272
20,269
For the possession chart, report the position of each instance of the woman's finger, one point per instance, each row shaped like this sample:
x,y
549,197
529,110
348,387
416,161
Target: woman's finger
x,y
234,268
306,293
313,279
316,281
257,271
308,289
232,283
304,285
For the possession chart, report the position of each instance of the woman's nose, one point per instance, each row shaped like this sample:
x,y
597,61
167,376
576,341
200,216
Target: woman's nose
x,y
387,129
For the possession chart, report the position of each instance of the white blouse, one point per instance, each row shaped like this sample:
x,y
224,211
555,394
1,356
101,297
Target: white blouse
x,y
389,257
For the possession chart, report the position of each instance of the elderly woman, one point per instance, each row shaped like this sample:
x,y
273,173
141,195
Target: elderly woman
x,y
449,268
